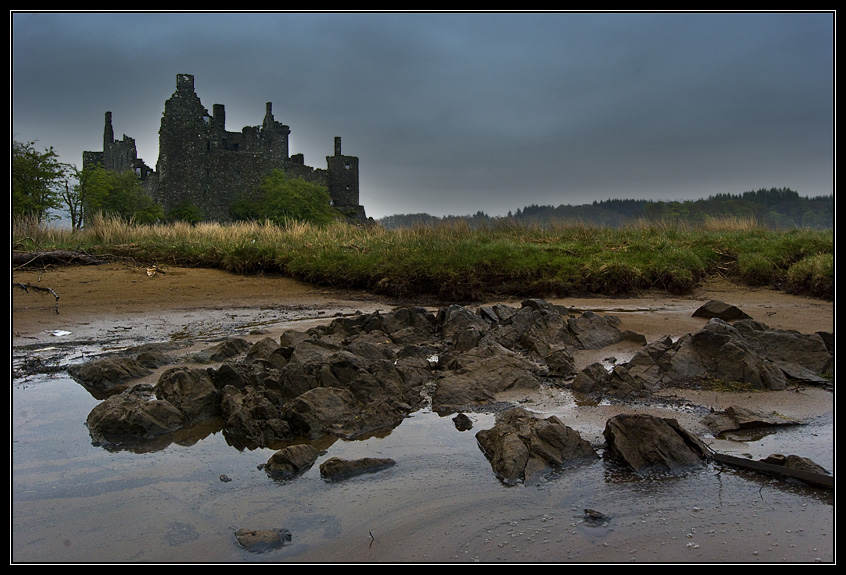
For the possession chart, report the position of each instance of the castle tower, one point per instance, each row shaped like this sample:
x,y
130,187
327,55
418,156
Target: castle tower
x,y
108,132
343,178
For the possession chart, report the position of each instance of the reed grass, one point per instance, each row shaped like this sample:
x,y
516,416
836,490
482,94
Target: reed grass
x,y
457,261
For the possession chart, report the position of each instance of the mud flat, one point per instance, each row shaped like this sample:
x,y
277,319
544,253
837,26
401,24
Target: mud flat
x,y
72,501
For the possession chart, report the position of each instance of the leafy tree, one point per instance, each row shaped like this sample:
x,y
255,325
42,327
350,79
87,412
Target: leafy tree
x,y
119,194
186,212
72,198
285,198
37,180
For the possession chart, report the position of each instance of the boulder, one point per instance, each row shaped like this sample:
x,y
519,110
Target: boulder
x,y
747,352
336,469
190,390
594,331
108,376
648,443
619,383
796,462
251,419
133,414
736,418
475,377
268,350
334,411
222,351
262,540
720,310
520,446
291,461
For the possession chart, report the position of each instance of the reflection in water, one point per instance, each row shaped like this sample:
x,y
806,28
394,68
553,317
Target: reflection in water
x,y
73,501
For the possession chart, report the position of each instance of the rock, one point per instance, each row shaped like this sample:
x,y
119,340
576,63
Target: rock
x,y
153,359
268,350
720,310
747,352
291,461
739,418
795,462
108,376
619,383
593,331
647,443
133,414
222,351
190,390
475,377
252,419
262,540
336,469
462,422
521,446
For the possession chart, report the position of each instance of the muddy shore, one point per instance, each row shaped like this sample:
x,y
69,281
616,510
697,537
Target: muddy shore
x,y
116,302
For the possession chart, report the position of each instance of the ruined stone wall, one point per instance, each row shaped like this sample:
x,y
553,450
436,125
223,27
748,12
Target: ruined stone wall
x,y
202,164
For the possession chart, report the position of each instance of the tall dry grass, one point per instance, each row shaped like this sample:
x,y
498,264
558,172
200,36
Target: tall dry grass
x,y
457,260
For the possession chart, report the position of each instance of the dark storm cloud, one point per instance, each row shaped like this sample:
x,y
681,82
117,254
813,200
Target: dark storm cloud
x,y
454,113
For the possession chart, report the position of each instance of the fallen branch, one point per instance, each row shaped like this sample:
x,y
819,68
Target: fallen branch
x,y
27,287
22,259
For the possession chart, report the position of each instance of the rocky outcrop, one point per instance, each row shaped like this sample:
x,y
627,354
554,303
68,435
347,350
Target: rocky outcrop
x,y
747,352
521,446
648,443
365,373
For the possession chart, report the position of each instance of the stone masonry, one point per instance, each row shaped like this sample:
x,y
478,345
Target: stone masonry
x,y
201,164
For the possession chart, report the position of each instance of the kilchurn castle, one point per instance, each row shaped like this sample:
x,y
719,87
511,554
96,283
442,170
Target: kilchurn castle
x,y
203,165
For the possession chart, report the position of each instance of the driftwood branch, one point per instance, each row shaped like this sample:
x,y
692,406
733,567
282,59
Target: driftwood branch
x,y
27,287
22,259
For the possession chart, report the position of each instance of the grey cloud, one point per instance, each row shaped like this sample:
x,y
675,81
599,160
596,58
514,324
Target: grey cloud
x,y
454,113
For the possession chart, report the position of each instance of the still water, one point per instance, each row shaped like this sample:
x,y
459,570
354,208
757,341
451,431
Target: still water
x,y
76,502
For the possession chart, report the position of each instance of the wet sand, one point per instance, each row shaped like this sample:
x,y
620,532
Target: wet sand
x,y
443,505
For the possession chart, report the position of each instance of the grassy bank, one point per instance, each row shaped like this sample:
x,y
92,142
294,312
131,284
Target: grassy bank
x,y
459,262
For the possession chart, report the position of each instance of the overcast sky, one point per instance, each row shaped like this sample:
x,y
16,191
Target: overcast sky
x,y
456,113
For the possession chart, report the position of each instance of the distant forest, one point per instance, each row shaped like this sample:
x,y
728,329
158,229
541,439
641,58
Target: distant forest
x,y
775,208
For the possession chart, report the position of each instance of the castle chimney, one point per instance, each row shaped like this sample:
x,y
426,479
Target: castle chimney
x,y
337,145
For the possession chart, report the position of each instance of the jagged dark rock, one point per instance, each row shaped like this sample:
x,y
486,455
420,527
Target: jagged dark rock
x,y
648,443
736,418
291,461
521,446
108,376
720,310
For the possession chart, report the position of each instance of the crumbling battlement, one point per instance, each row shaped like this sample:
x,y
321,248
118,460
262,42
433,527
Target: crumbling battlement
x,y
202,164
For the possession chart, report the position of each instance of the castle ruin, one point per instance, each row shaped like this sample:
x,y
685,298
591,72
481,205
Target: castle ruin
x,y
203,165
